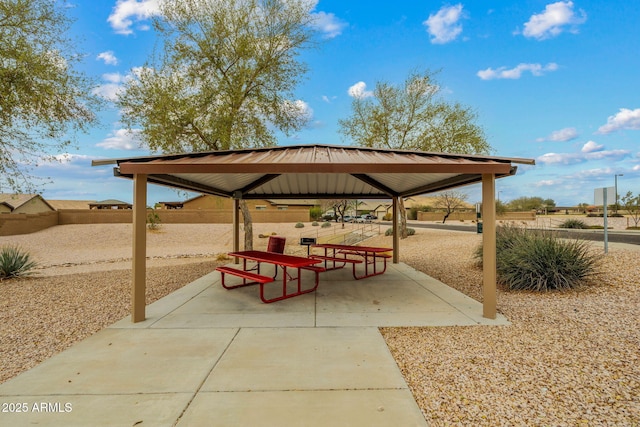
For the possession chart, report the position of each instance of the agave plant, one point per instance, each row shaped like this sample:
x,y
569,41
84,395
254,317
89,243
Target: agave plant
x,y
15,262
537,260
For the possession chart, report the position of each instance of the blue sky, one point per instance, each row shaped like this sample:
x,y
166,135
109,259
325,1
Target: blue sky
x,y
553,81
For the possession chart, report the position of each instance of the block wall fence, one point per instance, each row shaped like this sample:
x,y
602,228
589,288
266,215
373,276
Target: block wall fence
x,y
13,224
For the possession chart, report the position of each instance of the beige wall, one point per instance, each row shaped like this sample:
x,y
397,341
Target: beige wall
x,y
30,223
13,224
471,216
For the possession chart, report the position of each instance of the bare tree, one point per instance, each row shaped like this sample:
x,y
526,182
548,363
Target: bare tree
x,y
449,201
632,206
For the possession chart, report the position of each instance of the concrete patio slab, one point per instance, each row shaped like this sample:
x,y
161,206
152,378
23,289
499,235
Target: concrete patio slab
x,y
306,359
336,408
119,361
210,356
158,410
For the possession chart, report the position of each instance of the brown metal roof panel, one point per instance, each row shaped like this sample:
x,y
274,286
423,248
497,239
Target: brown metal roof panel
x,y
266,167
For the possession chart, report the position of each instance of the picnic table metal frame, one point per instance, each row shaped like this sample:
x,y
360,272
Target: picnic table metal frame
x,y
278,260
339,253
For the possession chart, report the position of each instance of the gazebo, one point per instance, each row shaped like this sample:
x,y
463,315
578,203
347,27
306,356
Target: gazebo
x,y
314,171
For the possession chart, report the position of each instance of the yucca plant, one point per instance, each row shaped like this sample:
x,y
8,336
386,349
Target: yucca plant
x,y
537,260
15,262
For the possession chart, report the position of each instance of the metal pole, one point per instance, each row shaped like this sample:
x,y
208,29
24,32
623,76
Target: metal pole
x,y
616,190
606,235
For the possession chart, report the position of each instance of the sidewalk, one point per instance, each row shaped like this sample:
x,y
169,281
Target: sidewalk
x,y
207,356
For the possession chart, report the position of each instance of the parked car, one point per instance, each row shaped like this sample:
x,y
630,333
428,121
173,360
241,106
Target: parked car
x,y
363,218
347,218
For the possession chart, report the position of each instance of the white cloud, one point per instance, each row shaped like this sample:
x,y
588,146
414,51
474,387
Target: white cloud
x,y
122,139
516,73
591,174
108,57
624,119
562,135
444,26
113,85
125,12
590,151
359,90
548,183
298,108
328,24
64,159
591,147
553,21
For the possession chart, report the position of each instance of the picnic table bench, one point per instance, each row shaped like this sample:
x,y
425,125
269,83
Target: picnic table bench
x,y
285,262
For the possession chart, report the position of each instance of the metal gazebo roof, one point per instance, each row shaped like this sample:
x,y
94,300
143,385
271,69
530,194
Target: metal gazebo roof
x,y
314,171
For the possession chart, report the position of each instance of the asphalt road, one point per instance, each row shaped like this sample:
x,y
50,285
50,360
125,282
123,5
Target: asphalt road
x,y
632,238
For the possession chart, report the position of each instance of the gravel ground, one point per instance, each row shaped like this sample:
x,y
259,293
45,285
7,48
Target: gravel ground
x,y
568,359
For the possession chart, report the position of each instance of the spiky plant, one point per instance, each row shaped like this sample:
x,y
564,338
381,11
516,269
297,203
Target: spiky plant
x,y
537,260
15,262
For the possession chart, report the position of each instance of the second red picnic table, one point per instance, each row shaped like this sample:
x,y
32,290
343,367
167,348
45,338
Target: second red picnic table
x,y
338,255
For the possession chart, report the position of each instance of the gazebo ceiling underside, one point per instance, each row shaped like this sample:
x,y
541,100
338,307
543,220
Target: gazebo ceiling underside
x,y
315,171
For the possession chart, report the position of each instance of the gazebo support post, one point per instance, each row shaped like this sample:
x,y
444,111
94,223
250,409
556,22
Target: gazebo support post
x,y
396,231
489,246
236,228
139,263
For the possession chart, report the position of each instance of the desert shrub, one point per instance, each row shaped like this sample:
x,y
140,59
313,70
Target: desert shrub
x,y
573,223
410,232
15,262
325,224
153,220
315,223
537,260
222,257
299,225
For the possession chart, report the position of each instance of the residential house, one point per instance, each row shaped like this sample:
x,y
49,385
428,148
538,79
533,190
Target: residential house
x,y
24,203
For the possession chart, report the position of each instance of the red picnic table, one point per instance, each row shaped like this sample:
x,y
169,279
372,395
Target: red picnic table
x,y
278,260
339,256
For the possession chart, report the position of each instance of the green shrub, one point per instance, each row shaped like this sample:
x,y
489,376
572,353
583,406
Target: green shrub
x,y
153,220
410,232
536,260
299,225
573,223
325,224
15,262
315,223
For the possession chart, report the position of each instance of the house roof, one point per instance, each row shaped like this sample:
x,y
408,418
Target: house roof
x,y
71,204
110,202
314,171
14,201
